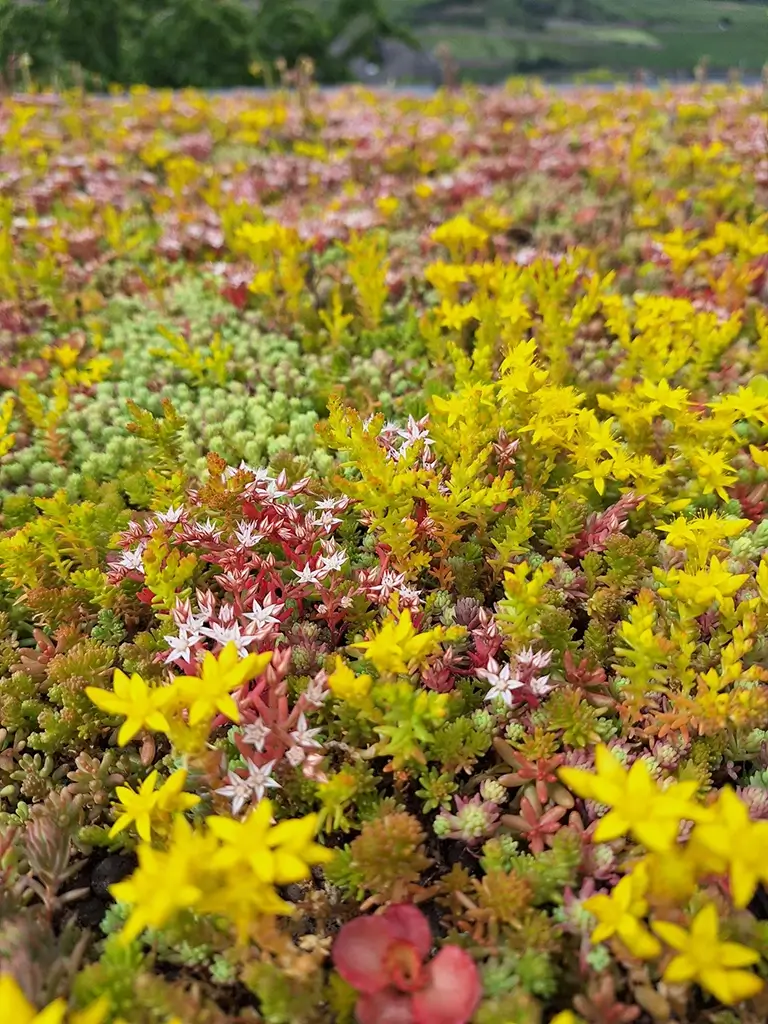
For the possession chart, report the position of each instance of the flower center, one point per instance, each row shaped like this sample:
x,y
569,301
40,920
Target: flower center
x,y
403,964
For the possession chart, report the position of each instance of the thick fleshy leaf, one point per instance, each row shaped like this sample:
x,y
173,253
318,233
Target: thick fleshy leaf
x,y
409,924
359,952
388,1006
452,992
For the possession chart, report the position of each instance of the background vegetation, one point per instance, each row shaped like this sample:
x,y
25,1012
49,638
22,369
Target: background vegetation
x,y
492,38
178,43
215,43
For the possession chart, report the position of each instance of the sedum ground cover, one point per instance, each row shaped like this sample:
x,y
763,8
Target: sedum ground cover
x,y
383,558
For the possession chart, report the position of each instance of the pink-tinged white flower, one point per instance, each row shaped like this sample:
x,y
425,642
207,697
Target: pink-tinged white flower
x,y
317,690
261,779
310,575
416,431
265,614
208,530
229,634
231,471
540,686
274,487
503,681
238,791
181,646
327,521
227,614
295,756
525,255
173,515
185,618
132,560
207,603
410,597
334,562
528,666
534,660
253,787
255,734
332,504
303,735
247,535
390,582
311,768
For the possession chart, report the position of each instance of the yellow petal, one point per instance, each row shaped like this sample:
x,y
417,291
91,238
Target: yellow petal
x,y
52,1014
602,932
672,934
743,883
148,784
612,826
128,730
658,834
121,684
637,939
227,706
608,765
144,827
290,868
705,925
105,700
733,954
730,987
13,1002
174,784
679,970
578,781
122,823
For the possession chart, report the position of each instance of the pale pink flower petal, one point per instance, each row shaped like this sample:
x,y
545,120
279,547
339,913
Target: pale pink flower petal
x,y
385,1007
359,953
453,989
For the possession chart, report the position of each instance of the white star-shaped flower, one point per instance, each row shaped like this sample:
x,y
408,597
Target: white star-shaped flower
x,y
334,562
173,515
308,575
182,645
247,535
304,736
295,756
132,560
264,614
261,779
255,733
238,791
229,635
503,682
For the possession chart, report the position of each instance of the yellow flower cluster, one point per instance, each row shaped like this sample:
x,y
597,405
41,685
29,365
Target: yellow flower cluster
x,y
398,649
150,809
723,841
227,868
185,708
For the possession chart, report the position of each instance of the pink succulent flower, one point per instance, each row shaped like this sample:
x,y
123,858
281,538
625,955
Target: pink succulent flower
x,y
384,956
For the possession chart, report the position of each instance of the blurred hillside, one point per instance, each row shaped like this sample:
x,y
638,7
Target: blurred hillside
x,y
494,38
